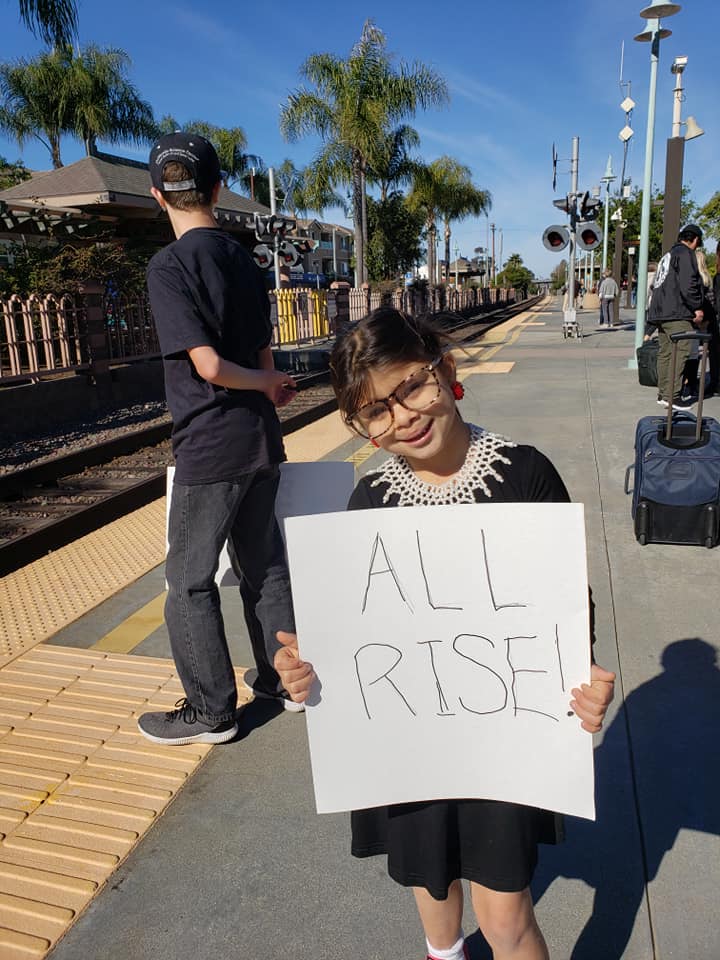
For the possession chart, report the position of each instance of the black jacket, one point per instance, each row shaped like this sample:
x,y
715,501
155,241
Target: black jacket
x,y
678,289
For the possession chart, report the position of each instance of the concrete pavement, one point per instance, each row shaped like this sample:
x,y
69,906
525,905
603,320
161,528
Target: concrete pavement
x,y
241,867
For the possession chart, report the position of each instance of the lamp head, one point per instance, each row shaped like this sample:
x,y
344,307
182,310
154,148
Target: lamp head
x,y
609,175
678,64
647,36
658,11
693,129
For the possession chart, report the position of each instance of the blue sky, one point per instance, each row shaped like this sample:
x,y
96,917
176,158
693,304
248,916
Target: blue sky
x,y
522,75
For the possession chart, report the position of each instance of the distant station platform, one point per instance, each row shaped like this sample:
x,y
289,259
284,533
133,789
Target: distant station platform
x,y
115,849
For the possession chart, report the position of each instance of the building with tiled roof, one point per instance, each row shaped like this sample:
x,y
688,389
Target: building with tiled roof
x,y
105,193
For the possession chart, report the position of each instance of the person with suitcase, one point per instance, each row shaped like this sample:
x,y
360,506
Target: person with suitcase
x,y
676,307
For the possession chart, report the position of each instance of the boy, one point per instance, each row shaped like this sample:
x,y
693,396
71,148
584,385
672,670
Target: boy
x,y
212,316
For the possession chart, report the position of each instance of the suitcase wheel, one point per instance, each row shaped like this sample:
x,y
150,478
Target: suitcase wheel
x,y
642,540
709,542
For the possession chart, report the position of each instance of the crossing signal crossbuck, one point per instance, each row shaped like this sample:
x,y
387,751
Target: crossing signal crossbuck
x,y
582,209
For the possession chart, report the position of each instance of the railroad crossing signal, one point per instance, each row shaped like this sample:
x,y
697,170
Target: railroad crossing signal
x,y
263,256
582,209
288,253
267,227
556,238
588,236
589,207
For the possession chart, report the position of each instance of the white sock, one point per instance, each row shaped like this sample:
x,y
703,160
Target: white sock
x,y
455,952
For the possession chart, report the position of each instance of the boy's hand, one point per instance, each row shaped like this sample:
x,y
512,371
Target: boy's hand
x,y
296,675
592,700
278,387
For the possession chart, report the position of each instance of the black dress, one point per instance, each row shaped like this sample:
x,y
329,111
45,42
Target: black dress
x,y
491,842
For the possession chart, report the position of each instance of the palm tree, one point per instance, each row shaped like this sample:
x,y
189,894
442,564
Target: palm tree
x,y
86,95
36,99
353,104
444,189
55,20
390,164
461,199
105,104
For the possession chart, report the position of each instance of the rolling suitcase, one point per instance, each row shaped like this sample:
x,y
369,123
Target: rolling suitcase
x,y
676,487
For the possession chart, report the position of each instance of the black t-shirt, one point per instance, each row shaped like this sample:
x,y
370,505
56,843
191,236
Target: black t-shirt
x,y
205,290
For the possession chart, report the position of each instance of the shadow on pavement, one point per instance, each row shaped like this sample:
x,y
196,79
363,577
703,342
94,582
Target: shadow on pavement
x,y
255,715
674,727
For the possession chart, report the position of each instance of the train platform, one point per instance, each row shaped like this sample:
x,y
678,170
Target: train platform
x,y
114,849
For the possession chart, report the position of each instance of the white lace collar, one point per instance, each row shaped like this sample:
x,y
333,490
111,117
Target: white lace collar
x,y
483,453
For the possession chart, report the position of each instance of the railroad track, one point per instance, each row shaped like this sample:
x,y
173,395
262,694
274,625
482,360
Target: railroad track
x,y
45,506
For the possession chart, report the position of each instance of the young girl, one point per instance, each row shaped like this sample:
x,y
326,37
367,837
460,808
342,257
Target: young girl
x,y
396,386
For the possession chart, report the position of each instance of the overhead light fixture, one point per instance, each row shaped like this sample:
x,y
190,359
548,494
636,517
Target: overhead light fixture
x,y
693,128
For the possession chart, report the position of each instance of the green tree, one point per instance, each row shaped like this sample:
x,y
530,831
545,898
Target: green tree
x,y
105,103
12,173
353,103
36,101
394,236
558,276
709,221
390,164
631,213
515,273
56,21
461,199
444,189
87,95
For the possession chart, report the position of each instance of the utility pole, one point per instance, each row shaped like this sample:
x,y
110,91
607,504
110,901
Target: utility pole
x,y
492,229
574,161
276,237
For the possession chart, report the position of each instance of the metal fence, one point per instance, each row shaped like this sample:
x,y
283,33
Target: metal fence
x,y
129,329
41,336
299,316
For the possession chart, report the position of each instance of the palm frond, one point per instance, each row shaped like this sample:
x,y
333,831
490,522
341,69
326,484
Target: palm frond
x,y
55,21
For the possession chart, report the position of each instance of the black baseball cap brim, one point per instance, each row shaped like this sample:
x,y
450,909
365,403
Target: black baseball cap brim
x,y
194,152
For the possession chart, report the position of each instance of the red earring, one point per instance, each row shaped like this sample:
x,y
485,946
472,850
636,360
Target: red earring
x,y
458,390
374,442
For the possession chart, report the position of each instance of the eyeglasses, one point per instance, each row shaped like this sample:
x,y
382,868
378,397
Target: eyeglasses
x,y
417,392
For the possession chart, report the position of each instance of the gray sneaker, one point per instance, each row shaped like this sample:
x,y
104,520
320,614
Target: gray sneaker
x,y
182,725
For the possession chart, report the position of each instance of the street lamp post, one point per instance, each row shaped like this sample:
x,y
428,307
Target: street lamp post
x,y
675,156
607,179
653,35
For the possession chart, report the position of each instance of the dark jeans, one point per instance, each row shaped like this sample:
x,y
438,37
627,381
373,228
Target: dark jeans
x,y
606,311
666,389
202,518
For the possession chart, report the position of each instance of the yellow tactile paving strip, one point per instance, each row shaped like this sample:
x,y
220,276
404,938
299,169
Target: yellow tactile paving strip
x,y
79,786
38,600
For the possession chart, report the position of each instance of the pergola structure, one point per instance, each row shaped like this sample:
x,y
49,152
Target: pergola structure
x,y
105,197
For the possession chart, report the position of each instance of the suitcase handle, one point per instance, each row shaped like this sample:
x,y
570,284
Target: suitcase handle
x,y
700,337
631,466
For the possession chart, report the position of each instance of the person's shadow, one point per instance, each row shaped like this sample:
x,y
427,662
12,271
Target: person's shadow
x,y
667,783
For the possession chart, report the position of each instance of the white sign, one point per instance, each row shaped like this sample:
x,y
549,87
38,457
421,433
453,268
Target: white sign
x,y
305,488
446,642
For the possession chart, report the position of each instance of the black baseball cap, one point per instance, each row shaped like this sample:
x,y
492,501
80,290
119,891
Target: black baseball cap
x,y
194,152
691,230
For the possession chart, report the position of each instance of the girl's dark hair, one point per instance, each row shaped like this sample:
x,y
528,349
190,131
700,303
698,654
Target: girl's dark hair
x,y
384,337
